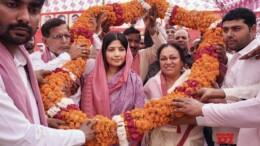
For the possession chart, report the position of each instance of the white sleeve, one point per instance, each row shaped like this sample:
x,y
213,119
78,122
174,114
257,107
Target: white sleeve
x,y
201,121
243,114
158,39
97,43
243,92
16,130
58,62
161,29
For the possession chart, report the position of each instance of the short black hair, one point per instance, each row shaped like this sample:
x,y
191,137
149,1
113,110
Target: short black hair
x,y
54,22
241,13
110,37
177,47
132,30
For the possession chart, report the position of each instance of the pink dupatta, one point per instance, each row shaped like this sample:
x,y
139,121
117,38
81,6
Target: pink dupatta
x,y
163,84
136,64
95,95
46,55
15,86
189,128
164,92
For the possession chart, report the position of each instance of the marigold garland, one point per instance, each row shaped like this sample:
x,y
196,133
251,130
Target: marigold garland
x,y
156,112
197,20
161,6
132,11
119,14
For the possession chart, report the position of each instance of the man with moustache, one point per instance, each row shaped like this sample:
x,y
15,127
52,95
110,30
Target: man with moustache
x,y
22,120
143,58
58,51
239,31
56,38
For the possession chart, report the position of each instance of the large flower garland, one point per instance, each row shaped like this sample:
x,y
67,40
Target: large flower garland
x,y
155,113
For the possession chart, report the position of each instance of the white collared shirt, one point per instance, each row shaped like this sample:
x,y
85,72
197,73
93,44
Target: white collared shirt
x,y
20,63
58,62
16,130
242,72
239,73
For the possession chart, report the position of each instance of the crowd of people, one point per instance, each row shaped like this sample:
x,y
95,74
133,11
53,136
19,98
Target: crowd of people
x,y
130,73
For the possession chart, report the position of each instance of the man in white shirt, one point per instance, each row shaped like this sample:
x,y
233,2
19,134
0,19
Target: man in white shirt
x,y
21,125
59,51
239,30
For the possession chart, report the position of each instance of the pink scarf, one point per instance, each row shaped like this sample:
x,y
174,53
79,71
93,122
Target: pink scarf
x,y
136,64
164,92
95,95
189,128
163,84
46,55
15,87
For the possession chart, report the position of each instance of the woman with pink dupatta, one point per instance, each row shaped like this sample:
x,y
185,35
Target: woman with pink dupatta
x,y
171,75
112,88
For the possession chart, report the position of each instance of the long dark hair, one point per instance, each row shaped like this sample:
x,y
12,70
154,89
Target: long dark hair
x,y
110,37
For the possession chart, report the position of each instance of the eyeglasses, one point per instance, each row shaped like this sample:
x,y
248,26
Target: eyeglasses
x,y
60,36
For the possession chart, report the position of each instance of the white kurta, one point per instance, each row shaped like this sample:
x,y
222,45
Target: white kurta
x,y
243,115
58,62
16,130
240,73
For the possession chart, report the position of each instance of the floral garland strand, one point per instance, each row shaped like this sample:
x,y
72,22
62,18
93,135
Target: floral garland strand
x,y
205,69
155,113
121,131
190,18
119,14
161,6
133,10
54,94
